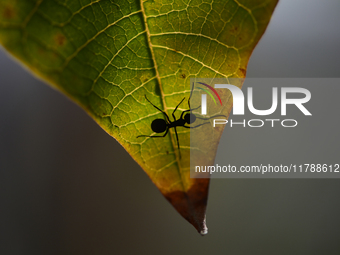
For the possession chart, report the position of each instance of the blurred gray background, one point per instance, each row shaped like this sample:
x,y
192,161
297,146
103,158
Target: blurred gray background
x,y
66,187
312,141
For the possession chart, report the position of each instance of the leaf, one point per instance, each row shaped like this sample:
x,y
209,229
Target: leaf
x,y
107,55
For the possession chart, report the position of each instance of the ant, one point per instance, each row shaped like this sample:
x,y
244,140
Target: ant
x,y
187,118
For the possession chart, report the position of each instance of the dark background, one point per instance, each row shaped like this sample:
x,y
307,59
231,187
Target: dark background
x,y
66,187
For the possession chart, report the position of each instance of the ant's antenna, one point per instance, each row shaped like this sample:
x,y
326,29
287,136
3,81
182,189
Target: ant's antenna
x,y
176,108
192,90
211,117
179,150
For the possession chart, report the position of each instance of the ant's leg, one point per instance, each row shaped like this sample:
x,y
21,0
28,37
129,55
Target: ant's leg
x,y
173,113
167,117
192,90
197,125
179,150
154,136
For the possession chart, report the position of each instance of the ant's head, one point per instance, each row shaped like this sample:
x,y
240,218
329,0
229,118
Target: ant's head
x,y
158,125
190,118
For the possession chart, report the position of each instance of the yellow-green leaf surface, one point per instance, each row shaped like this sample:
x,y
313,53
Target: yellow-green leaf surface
x,y
107,55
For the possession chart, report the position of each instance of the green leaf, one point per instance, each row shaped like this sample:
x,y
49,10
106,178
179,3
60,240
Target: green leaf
x,y
107,55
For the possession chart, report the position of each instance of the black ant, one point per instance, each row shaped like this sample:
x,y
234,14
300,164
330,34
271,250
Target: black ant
x,y
161,125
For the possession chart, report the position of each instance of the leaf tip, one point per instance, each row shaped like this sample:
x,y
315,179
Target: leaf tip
x,y
204,230
192,204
